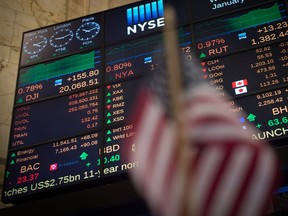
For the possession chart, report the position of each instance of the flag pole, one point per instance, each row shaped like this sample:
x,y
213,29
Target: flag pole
x,y
174,71
175,90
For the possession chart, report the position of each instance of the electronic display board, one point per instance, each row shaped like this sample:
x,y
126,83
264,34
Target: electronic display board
x,y
213,8
117,141
141,19
119,100
53,165
259,69
62,39
78,81
66,75
267,111
55,119
241,30
139,58
71,161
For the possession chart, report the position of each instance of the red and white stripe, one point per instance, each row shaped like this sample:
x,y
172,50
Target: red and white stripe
x,y
240,83
226,174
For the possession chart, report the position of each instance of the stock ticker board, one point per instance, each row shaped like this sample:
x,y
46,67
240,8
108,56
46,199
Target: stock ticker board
x,y
78,81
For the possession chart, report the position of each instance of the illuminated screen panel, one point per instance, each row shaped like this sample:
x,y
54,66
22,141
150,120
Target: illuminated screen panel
x,y
53,165
216,7
72,113
140,61
55,119
66,75
62,39
253,27
140,19
140,57
267,111
248,72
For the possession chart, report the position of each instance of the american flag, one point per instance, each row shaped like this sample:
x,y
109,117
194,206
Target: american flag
x,y
225,173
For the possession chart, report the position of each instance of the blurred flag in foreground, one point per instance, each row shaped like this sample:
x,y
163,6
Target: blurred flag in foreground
x,y
225,172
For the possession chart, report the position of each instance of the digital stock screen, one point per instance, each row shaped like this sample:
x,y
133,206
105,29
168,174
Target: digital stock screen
x,y
66,116
61,76
78,81
214,8
140,57
245,29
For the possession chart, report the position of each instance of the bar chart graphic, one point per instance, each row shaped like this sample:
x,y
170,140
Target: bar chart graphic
x,y
143,13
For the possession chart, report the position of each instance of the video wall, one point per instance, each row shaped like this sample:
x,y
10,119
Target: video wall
x,y
77,82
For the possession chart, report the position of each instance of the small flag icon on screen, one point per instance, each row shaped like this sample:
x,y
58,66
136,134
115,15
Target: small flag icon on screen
x,y
241,90
58,82
242,36
240,86
240,83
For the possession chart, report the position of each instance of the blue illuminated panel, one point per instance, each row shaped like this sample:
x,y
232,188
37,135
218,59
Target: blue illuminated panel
x,y
140,20
148,11
135,15
154,10
129,16
142,13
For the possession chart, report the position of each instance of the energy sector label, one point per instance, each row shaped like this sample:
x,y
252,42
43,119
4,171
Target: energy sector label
x,y
66,75
140,57
243,30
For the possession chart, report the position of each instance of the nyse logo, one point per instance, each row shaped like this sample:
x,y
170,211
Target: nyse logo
x,y
145,17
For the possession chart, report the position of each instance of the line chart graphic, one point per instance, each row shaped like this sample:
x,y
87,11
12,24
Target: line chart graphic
x,y
142,47
68,65
245,20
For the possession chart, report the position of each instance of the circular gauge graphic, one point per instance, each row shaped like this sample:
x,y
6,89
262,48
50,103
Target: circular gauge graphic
x,y
35,44
61,38
87,31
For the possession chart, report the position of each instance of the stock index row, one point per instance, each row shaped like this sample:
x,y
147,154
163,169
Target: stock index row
x,y
72,111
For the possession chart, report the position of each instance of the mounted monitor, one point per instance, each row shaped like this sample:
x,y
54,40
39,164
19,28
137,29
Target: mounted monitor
x,y
77,82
